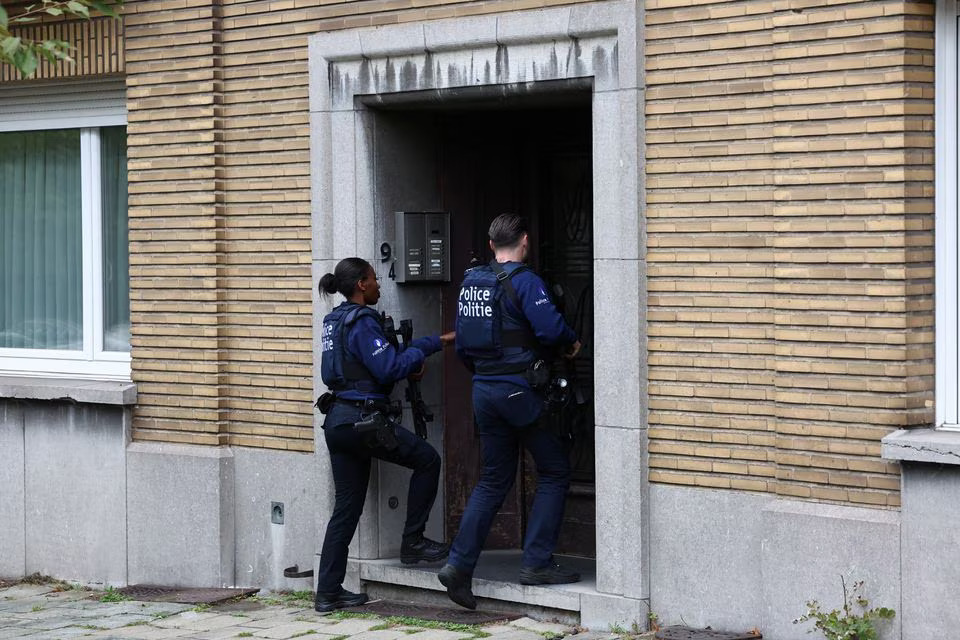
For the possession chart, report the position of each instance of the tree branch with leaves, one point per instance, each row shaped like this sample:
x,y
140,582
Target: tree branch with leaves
x,y
25,53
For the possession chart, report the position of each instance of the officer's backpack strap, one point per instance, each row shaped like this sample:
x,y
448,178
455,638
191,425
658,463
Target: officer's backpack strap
x,y
354,369
521,338
504,279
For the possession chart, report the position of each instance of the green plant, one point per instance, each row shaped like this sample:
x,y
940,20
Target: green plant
x,y
36,607
201,607
245,634
845,623
654,621
112,595
23,52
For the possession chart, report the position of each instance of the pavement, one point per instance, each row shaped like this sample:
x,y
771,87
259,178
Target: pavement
x,y
55,611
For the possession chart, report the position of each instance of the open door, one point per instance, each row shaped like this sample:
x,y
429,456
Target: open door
x,y
537,162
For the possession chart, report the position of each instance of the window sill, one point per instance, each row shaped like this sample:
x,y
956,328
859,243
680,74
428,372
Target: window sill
x,y
70,390
923,445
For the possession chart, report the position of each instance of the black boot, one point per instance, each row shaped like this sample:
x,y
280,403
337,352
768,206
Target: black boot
x,y
458,586
553,573
421,549
338,600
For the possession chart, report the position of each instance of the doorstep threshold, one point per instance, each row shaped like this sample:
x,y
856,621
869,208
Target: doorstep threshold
x,y
496,577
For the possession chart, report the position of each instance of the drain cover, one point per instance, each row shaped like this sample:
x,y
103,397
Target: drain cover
x,y
426,612
183,595
688,633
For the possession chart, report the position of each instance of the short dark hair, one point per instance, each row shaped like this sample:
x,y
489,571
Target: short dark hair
x,y
507,230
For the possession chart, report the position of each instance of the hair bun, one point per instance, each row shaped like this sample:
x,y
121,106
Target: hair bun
x,y
328,283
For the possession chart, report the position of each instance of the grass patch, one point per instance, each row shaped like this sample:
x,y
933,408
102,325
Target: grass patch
x,y
392,621
287,598
305,633
346,615
245,634
112,595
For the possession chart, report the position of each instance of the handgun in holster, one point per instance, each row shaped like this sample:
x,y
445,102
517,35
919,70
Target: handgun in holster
x,y
377,430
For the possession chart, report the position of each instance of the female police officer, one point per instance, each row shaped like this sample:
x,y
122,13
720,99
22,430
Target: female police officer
x,y
360,367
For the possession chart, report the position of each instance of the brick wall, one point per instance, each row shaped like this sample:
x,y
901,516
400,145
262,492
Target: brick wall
x,y
789,209
220,210
789,191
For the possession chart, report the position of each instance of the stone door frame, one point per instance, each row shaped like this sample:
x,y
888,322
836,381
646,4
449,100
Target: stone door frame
x,y
600,42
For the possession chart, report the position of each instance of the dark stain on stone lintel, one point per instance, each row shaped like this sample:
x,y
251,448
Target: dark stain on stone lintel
x,y
600,69
391,79
365,78
503,63
408,77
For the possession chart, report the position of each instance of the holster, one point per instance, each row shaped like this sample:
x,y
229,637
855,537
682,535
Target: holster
x,y
324,402
377,430
537,375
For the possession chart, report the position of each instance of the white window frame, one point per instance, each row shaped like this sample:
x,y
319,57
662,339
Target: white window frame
x,y
946,182
92,361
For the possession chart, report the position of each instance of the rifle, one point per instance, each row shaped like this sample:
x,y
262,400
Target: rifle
x,y
421,414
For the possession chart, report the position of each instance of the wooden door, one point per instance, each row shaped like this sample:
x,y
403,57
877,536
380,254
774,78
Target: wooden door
x,y
537,163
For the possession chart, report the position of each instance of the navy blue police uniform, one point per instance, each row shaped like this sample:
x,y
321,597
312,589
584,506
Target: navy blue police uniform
x,y
359,363
500,336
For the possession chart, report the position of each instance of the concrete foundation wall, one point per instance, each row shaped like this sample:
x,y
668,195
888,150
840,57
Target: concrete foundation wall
x,y
62,469
181,515
735,560
12,535
931,551
264,549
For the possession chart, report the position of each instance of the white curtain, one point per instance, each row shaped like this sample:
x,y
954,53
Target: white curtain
x,y
41,285
116,269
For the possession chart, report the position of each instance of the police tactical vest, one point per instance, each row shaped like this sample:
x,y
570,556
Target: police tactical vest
x,y
340,370
496,340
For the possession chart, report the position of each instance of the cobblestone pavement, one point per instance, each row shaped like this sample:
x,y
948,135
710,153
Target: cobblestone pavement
x,y
46,612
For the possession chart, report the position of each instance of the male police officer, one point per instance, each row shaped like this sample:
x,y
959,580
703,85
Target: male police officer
x,y
506,325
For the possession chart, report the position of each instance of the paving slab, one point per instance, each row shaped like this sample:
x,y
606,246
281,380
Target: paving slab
x,y
351,626
541,627
46,613
439,634
291,630
380,634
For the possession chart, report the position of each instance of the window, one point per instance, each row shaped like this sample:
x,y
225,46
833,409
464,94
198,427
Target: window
x,y
64,272
948,358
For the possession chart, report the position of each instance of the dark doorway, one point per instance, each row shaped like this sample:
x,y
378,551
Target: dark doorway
x,y
535,161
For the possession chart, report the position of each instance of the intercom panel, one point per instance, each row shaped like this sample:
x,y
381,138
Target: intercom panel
x,y
422,246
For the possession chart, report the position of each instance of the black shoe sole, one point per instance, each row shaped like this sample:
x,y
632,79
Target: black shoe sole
x,y
327,607
459,593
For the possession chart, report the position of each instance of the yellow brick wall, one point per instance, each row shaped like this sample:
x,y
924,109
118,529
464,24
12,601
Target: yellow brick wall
x,y
789,214
790,248
220,210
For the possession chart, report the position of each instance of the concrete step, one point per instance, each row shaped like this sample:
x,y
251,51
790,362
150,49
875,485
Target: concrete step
x,y
495,584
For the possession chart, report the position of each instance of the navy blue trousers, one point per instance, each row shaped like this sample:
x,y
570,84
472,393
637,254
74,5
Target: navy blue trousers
x,y
506,416
350,457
